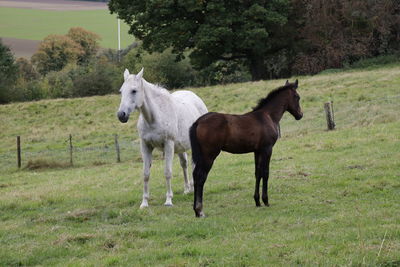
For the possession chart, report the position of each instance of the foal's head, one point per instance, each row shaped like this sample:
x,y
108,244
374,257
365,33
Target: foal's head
x,y
293,103
286,97
132,95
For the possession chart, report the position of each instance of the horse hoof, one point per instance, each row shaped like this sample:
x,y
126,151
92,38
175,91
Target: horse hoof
x,y
200,215
168,204
143,206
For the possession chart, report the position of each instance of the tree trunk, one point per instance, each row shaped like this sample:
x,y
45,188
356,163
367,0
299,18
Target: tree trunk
x,y
257,68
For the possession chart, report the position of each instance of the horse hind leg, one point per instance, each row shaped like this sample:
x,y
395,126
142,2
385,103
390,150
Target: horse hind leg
x,y
183,159
200,174
265,176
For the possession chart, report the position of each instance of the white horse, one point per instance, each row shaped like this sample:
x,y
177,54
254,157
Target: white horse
x,y
163,123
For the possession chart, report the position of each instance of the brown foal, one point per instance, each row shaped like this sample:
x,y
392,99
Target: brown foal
x,y
256,131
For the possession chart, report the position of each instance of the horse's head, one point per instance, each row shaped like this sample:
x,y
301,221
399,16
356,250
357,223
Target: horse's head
x,y
132,95
294,100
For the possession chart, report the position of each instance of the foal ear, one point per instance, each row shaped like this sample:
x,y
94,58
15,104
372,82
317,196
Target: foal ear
x,y
296,84
287,82
139,76
126,74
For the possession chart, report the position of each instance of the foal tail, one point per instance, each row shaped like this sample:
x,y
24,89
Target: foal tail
x,y
196,150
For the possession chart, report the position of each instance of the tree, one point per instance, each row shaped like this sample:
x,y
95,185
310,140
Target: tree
x,y
336,32
26,70
87,40
8,73
212,30
55,52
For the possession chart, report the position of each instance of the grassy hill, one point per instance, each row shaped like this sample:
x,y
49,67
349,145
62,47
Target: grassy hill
x,y
334,196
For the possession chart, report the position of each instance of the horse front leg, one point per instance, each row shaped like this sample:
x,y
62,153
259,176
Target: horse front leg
x,y
183,159
169,156
265,175
147,159
257,161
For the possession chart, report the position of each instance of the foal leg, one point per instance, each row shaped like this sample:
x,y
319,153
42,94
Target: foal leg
x,y
183,159
258,175
147,158
169,156
265,175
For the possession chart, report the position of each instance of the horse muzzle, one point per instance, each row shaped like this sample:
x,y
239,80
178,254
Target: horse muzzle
x,y
299,116
122,116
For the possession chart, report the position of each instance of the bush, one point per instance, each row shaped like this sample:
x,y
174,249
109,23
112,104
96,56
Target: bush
x,y
28,90
8,73
55,52
60,83
223,72
104,78
88,42
160,68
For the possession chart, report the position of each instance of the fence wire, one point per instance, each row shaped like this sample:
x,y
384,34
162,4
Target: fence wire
x,y
48,154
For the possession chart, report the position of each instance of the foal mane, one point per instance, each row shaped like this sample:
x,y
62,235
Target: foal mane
x,y
264,101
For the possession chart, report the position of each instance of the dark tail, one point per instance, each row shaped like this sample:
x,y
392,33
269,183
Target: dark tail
x,y
196,150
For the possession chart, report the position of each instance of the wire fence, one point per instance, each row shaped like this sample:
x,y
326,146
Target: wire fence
x,y
60,154
346,115
106,149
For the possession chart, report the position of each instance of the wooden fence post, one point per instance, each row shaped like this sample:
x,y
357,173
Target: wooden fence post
x,y
328,106
117,147
19,151
70,150
279,130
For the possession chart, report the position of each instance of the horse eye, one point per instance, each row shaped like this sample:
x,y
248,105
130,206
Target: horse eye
x,y
133,92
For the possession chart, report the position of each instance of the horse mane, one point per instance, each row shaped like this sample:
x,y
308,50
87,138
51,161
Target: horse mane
x,y
157,89
264,101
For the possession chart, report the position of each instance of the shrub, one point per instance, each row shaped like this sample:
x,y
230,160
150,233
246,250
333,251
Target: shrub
x,y
8,73
104,78
55,52
223,72
60,83
161,68
87,40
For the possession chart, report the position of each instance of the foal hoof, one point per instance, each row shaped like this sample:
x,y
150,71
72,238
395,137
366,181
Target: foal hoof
x,y
200,215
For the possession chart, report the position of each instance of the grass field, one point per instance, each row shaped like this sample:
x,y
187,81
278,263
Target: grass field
x,y
34,24
335,196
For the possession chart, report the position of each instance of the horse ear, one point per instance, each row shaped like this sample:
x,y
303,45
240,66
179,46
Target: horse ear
x,y
287,82
296,84
126,74
140,74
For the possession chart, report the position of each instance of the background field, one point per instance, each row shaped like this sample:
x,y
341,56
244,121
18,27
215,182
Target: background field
x,y
334,196
32,24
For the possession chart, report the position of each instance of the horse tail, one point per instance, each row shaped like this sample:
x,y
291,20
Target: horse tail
x,y
196,150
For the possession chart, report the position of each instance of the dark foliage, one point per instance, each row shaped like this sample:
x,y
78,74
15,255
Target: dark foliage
x,y
8,73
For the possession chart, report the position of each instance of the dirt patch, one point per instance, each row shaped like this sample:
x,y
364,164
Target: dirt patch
x,y
60,5
21,47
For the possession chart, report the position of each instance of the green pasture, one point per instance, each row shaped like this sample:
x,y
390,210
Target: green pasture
x,y
334,195
34,24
